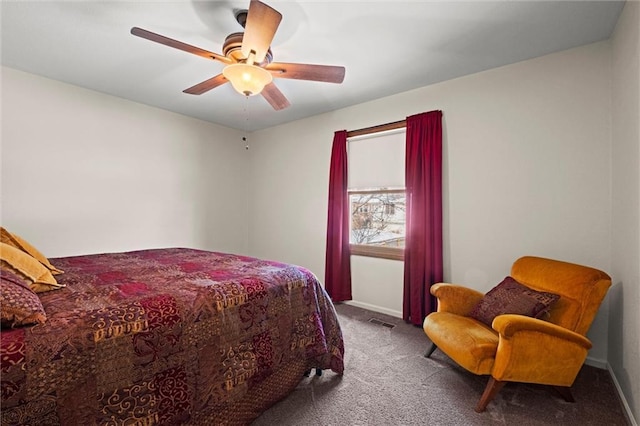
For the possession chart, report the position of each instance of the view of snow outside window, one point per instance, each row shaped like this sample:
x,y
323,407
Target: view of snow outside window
x,y
378,218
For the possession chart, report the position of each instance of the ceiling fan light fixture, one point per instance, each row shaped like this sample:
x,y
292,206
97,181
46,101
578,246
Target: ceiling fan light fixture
x,y
248,80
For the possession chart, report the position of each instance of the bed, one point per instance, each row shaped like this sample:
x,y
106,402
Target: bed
x,y
167,337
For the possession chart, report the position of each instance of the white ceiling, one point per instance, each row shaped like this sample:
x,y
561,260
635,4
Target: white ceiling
x,y
387,47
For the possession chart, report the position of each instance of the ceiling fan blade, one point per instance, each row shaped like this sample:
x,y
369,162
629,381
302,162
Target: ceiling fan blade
x,y
261,26
178,45
325,73
206,85
274,96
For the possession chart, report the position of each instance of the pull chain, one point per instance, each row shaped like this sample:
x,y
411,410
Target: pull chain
x,y
245,138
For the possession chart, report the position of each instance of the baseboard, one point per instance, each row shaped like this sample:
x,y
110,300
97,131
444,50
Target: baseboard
x,y
598,363
625,404
374,308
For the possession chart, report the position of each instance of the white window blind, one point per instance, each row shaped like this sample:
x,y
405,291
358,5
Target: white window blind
x,y
377,160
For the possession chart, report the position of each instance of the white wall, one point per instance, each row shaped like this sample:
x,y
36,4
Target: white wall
x,y
526,171
83,172
624,324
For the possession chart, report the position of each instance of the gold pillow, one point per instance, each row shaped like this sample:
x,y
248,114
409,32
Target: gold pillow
x,y
20,262
19,243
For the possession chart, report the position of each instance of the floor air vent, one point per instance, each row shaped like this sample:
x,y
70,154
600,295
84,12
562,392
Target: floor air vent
x,y
380,322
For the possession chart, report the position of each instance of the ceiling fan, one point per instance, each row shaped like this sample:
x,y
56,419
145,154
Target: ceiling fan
x,y
248,58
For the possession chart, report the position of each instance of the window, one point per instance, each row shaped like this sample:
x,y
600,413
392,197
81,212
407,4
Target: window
x,y
378,222
377,197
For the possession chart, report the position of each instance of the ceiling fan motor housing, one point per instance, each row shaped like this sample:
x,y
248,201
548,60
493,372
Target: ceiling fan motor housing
x,y
232,49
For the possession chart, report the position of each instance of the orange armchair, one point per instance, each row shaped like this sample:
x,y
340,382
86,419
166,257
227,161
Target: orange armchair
x,y
518,348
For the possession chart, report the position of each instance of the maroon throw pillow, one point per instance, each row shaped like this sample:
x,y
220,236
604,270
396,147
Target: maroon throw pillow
x,y
20,305
511,297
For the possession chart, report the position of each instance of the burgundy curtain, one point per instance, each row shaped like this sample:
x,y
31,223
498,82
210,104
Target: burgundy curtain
x,y
337,274
423,247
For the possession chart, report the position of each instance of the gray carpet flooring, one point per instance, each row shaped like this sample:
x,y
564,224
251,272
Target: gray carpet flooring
x,y
387,381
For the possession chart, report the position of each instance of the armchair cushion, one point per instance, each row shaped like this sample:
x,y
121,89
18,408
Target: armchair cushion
x,y
511,297
470,343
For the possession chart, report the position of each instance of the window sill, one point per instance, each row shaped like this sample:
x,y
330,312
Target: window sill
x,y
392,253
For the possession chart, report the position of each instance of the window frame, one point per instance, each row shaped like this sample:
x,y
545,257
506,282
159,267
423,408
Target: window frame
x,y
391,253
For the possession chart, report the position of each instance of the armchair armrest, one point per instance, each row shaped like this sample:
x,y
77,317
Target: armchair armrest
x,y
535,351
508,325
455,299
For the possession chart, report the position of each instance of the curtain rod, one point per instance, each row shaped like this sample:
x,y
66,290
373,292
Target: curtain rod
x,y
377,129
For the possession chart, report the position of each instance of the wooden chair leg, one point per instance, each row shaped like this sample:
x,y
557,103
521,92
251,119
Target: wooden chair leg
x,y
431,349
492,389
565,392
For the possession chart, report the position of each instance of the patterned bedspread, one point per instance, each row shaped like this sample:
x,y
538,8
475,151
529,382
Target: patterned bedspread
x,y
167,337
